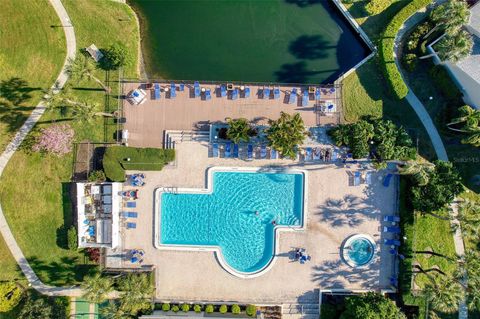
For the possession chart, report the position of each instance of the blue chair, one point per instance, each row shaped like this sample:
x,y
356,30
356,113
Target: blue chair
x,y
391,229
276,93
392,219
208,95
235,150
131,204
250,151
317,94
356,179
247,92
263,152
129,214
131,225
235,94
308,154
266,93
293,96
215,150
134,260
228,149
156,91
196,89
386,180
223,90
173,90
391,242
305,98
182,87
316,154
332,90
273,153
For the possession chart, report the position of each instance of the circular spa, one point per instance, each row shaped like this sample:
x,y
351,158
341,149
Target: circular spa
x,y
358,250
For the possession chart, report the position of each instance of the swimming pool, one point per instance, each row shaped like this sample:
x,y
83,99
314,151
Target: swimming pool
x,y
237,215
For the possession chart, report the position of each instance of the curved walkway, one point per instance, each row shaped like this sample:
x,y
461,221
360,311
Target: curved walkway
x,y
17,253
434,137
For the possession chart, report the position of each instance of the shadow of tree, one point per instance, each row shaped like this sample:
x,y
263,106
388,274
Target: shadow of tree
x,y
309,47
294,73
332,273
16,91
68,270
13,116
303,3
62,240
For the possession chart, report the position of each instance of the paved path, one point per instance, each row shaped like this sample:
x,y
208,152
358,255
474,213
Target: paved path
x,y
434,137
17,253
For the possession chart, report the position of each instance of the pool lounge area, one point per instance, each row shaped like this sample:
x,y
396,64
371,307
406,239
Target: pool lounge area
x,y
239,215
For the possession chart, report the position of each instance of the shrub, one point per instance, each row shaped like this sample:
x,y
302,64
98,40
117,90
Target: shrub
x,y
417,35
375,7
197,308
56,139
386,48
370,305
185,307
116,56
409,62
93,254
223,309
97,176
209,309
236,309
72,238
10,296
251,310
166,307
175,308
444,82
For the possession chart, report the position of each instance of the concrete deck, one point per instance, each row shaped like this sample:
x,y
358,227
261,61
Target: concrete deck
x,y
336,211
147,122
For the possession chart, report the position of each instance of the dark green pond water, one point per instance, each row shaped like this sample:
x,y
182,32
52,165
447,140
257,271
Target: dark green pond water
x,y
288,41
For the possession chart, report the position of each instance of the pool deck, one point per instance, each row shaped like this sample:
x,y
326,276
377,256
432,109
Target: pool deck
x,y
147,122
336,210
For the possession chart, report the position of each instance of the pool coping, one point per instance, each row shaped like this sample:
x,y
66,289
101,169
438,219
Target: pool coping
x,y
278,229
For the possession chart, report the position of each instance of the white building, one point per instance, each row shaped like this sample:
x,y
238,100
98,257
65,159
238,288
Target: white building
x,y
98,214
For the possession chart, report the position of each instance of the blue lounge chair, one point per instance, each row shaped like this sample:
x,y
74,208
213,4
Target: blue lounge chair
x,y
393,219
182,87
292,99
91,230
356,179
317,94
86,222
276,93
156,91
228,149
250,151
393,251
131,204
134,260
173,90
308,154
235,94
263,152
391,229
131,225
266,93
247,92
208,95
223,90
305,98
332,90
129,214
391,242
273,153
316,154
235,150
196,89
215,150
386,180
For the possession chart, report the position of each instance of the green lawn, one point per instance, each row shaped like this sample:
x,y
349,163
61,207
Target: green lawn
x,y
8,265
34,188
32,52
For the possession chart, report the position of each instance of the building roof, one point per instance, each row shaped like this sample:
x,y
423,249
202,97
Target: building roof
x,y
475,17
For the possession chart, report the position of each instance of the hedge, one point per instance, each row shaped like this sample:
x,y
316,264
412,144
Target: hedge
x,y
387,43
143,159
377,6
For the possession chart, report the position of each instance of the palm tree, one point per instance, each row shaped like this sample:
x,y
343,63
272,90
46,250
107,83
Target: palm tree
x,y
114,311
444,294
420,172
455,47
469,218
82,68
86,112
239,130
286,133
97,288
137,291
451,16
471,118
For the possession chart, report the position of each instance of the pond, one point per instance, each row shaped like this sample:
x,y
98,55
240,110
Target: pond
x,y
287,41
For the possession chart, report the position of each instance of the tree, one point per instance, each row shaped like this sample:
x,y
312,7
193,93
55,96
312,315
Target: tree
x,y
420,172
86,112
454,47
443,185
10,295
117,56
34,309
286,133
97,288
469,218
239,130
82,68
137,291
72,238
443,294
56,139
451,16
470,118
370,306
114,311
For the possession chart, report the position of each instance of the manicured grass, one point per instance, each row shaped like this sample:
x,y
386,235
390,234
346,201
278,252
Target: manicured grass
x,y
34,188
32,53
145,159
8,265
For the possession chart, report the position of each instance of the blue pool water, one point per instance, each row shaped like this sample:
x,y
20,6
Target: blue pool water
x,y
360,251
237,216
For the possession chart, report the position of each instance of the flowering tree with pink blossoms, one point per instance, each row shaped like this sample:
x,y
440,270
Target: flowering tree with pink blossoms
x,y
56,139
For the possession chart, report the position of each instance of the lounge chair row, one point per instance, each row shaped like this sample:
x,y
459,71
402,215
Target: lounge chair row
x,y
231,150
319,154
